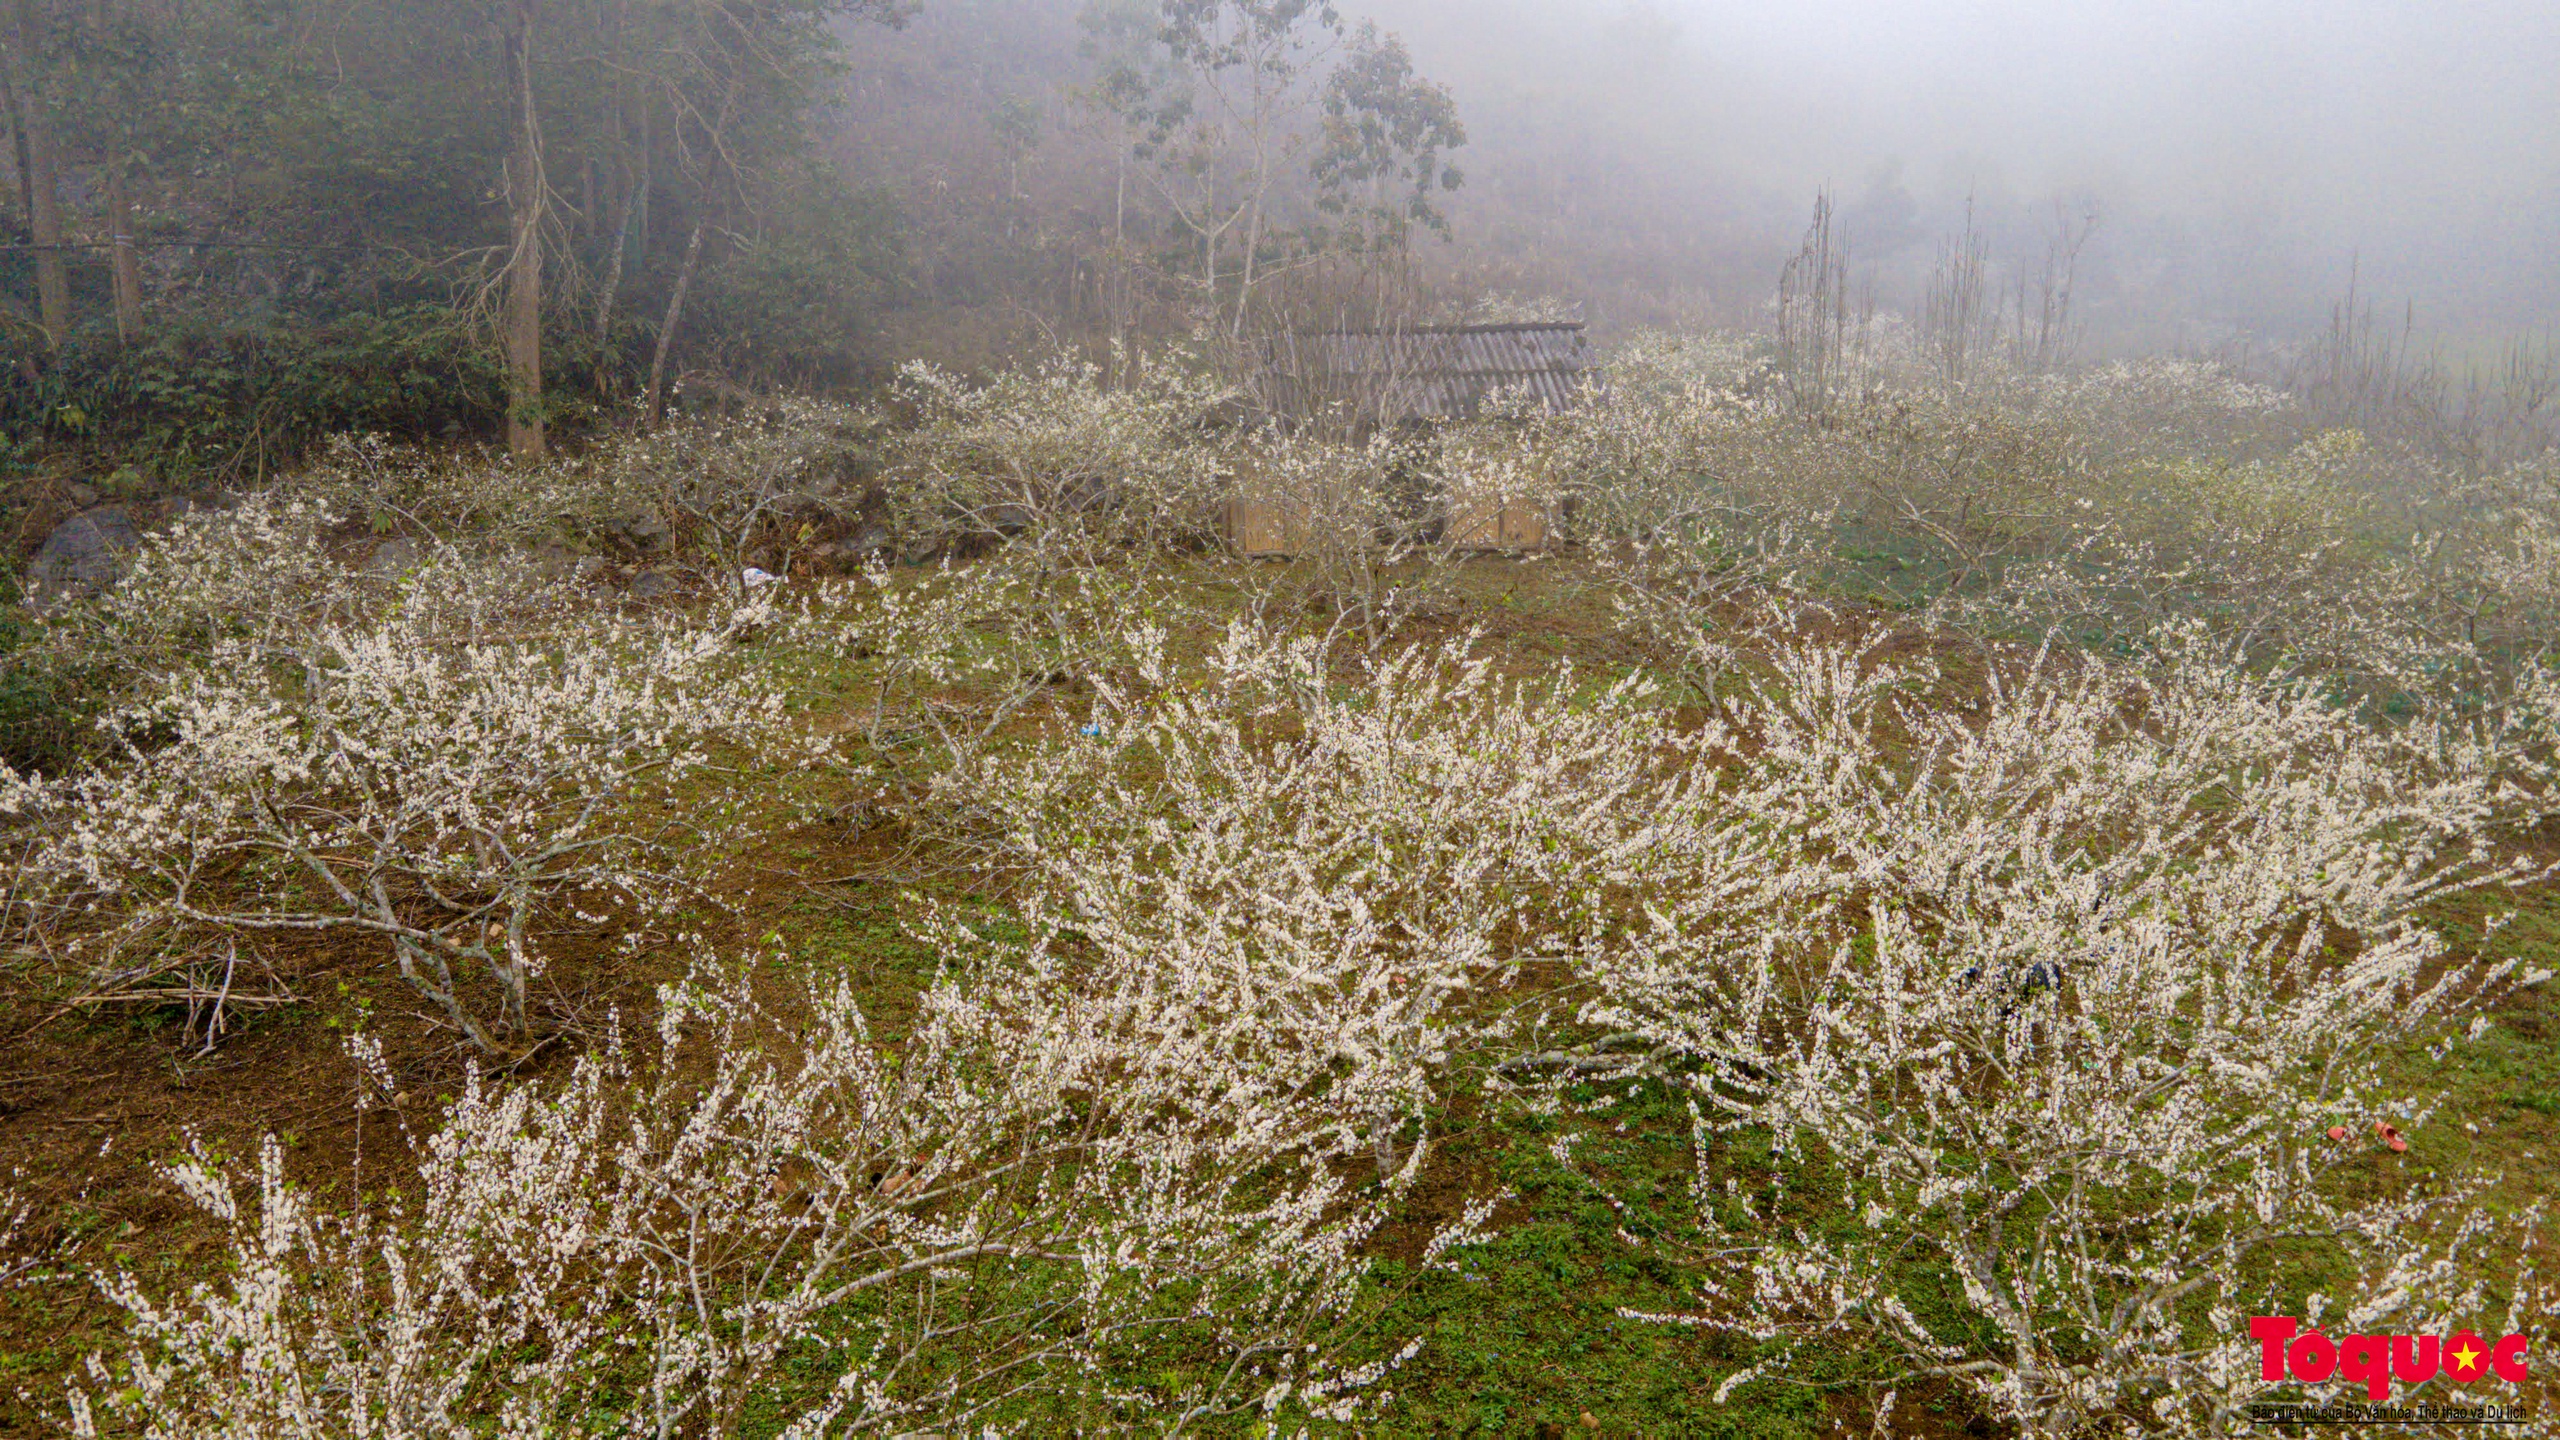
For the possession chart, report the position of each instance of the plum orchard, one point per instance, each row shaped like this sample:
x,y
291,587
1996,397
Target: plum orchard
x,y
2015,1018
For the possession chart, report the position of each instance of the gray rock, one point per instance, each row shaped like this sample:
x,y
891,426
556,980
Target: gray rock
x,y
644,529
395,556
836,557
556,563
83,555
651,585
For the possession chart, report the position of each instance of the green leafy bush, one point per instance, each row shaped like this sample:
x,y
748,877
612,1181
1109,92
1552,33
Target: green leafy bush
x,y
797,300
243,400
44,706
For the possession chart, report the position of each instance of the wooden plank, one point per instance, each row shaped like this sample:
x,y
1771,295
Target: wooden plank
x,y
1260,528
1497,523
1524,526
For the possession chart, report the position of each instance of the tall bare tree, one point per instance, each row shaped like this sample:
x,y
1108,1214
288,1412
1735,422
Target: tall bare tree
x,y
2045,332
124,261
528,195
28,81
1813,314
1230,126
1122,41
1961,315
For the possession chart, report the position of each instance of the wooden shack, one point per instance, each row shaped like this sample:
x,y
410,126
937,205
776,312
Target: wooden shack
x,y
1364,381
1386,378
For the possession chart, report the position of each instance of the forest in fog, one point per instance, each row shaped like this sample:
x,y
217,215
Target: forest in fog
x,y
240,226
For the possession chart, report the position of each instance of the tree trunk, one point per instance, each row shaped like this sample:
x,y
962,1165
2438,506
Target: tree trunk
x,y
124,261
1244,285
630,227
667,332
629,221
526,190
18,135
648,164
625,182
44,204
684,271
613,273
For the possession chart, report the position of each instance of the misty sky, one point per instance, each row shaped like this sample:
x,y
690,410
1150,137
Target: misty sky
x,y
2425,136
2359,105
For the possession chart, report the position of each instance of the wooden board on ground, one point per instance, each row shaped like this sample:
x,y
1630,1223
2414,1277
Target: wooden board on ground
x,y
1497,525
1262,528
1269,529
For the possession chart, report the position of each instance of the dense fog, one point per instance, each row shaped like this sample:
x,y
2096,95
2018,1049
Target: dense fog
x,y
1658,158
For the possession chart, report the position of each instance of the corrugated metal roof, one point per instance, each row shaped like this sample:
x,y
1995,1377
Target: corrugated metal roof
x,y
1433,372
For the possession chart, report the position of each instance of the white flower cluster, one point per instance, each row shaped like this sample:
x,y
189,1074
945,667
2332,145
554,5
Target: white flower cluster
x,y
1057,456
2062,994
988,1212
2102,504
1300,880
1007,631
2064,997
2067,992
2161,407
726,497
404,775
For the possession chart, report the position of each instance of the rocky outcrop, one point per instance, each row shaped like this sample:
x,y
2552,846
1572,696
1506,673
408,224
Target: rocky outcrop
x,y
83,555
